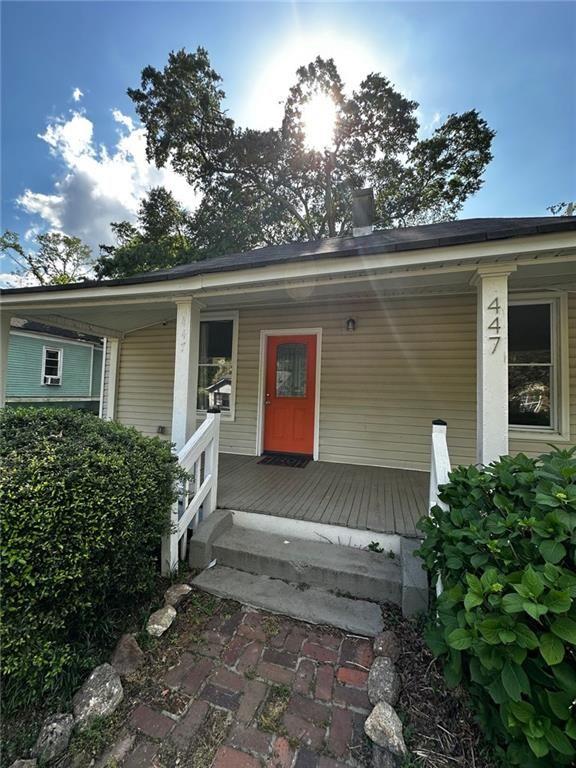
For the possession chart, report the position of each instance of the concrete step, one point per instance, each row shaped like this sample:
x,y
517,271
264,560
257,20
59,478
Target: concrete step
x,y
313,605
344,570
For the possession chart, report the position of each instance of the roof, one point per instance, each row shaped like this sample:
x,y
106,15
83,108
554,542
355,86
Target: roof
x,y
32,326
425,236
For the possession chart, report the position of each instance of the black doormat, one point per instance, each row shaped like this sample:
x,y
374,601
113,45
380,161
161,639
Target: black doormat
x,y
285,460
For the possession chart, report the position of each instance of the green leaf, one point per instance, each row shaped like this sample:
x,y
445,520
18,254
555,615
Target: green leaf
x,y
559,741
565,628
551,648
454,563
472,600
560,703
514,681
522,710
506,636
566,678
474,583
538,746
497,692
459,639
533,582
513,603
571,728
534,609
525,637
557,602
552,551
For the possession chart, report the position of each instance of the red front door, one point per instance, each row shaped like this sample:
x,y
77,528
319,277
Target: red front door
x,y
290,394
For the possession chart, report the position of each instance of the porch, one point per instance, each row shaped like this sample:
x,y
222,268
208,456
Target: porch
x,y
353,496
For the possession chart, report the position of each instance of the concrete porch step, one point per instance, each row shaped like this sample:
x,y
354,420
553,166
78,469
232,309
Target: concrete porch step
x,y
346,570
313,605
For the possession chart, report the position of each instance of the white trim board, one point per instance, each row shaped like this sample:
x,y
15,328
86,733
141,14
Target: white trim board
x,y
262,382
322,532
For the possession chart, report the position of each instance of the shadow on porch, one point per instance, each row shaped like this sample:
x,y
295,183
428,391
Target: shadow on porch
x,y
366,498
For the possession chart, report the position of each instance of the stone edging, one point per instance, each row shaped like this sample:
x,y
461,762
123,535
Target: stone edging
x,y
102,692
383,726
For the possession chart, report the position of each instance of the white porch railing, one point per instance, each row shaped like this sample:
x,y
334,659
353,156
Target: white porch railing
x,y
197,496
439,471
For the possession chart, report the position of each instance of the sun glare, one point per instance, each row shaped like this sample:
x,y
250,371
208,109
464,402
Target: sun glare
x,y
318,122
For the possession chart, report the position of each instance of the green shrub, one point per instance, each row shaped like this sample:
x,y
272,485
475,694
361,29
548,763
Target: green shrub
x,y
84,504
506,621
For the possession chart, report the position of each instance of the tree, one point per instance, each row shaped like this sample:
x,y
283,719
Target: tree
x,y
59,259
160,239
290,191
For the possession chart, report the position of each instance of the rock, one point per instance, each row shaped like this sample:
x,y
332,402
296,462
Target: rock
x,y
127,656
383,726
24,764
387,644
383,681
176,593
99,696
160,621
53,738
382,758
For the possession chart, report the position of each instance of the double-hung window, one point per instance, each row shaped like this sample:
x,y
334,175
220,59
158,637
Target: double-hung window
x,y
52,366
534,365
217,363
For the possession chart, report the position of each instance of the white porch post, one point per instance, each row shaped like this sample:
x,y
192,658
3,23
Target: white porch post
x,y
183,402
113,345
4,344
185,371
492,362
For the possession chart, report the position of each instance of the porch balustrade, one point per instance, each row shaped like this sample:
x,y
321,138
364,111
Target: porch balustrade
x,y
439,471
198,491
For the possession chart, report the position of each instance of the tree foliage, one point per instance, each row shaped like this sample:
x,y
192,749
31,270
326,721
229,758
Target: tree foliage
x,y
59,258
267,187
160,239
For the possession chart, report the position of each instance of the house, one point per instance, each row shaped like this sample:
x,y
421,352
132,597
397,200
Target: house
x,y
48,365
342,351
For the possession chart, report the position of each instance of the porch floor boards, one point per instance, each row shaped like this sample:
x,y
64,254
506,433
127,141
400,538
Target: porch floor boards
x,y
366,498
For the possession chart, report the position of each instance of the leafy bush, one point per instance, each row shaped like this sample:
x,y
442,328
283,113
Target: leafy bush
x,y
506,621
84,504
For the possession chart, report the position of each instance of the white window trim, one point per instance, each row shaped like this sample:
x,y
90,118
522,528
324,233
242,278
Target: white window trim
x,y
60,351
234,316
260,415
560,429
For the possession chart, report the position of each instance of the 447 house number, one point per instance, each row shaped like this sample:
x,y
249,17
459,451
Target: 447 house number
x,y
494,327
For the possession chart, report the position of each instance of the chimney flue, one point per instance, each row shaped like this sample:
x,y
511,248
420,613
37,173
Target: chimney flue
x,y
362,212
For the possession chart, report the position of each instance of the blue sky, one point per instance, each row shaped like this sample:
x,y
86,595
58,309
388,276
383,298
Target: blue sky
x,y
512,61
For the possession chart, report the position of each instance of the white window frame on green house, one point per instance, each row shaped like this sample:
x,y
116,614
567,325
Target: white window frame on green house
x,y
207,317
559,365
44,375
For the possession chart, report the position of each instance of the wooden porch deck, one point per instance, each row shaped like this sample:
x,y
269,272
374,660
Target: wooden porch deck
x,y
367,498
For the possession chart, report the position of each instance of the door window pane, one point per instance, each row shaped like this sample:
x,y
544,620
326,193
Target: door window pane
x,y
529,395
291,370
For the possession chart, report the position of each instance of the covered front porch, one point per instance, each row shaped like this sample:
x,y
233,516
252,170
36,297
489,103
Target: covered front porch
x,y
359,497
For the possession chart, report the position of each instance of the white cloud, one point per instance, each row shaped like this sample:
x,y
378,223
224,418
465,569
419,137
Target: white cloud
x,y
77,94
98,184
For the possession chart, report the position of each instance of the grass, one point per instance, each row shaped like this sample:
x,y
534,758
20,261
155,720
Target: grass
x,y
270,719
271,626
211,735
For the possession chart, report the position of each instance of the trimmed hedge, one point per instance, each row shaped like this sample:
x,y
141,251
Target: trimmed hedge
x,y
506,621
84,504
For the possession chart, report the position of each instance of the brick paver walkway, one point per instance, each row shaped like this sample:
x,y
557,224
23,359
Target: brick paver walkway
x,y
259,690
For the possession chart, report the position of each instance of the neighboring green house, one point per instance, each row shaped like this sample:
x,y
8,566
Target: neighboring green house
x,y
52,366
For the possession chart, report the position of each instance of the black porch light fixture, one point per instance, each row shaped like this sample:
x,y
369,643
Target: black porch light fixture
x,y
351,325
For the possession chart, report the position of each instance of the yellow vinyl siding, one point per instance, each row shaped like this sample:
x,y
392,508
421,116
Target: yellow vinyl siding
x,y
409,361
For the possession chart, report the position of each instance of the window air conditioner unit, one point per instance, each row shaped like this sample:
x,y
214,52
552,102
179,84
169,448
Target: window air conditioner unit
x,y
52,380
